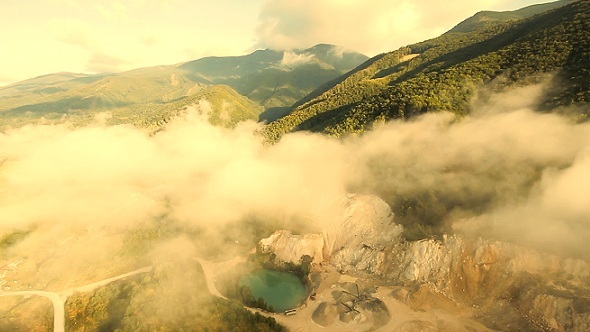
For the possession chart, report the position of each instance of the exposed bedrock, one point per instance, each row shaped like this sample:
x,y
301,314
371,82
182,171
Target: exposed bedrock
x,y
506,285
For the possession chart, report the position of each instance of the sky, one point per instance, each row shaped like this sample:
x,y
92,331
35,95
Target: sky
x,y
47,36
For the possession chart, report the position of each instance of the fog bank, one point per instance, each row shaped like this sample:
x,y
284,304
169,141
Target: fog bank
x,y
505,172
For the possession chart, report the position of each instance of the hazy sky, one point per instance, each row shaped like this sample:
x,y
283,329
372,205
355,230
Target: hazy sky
x,y
46,36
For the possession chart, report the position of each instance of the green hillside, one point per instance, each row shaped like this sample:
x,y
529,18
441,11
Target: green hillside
x,y
146,85
146,97
487,18
445,72
41,89
276,78
222,105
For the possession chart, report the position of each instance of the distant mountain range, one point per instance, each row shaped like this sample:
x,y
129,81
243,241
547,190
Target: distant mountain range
x,y
265,79
276,78
444,73
330,90
488,18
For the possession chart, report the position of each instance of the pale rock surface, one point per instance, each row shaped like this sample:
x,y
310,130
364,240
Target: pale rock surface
x,y
355,235
530,289
508,287
290,248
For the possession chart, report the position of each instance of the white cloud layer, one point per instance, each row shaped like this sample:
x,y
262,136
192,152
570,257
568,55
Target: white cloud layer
x,y
291,59
506,172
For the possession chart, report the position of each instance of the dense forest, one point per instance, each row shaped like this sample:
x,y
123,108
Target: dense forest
x,y
444,73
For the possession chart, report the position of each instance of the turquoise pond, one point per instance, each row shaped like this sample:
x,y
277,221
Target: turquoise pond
x,y
281,290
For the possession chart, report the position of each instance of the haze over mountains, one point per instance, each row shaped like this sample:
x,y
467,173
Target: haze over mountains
x,y
272,79
280,81
441,186
276,78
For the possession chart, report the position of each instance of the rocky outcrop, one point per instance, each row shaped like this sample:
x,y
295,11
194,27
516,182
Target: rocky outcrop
x,y
366,233
358,233
508,287
288,247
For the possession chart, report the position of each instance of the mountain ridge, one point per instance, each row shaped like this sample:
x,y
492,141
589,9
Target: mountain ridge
x,y
480,19
445,72
274,79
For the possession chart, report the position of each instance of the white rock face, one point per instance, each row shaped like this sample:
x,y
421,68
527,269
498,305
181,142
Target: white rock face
x,y
290,248
366,233
364,220
545,287
356,233
432,260
491,277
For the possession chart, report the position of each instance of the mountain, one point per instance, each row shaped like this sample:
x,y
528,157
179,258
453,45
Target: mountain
x,y
222,105
444,73
41,89
146,97
269,78
487,18
156,84
276,78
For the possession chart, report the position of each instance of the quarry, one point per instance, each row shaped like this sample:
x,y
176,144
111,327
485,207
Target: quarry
x,y
451,284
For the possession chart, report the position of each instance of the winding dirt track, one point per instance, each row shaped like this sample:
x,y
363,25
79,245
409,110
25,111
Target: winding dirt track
x,y
209,277
58,306
58,299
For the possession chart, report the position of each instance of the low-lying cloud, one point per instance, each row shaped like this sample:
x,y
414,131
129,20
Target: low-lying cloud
x,y
104,63
120,175
291,59
507,173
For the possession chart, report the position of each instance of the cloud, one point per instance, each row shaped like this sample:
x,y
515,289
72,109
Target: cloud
x,y
57,174
104,63
112,10
505,173
339,51
554,219
149,40
291,59
73,31
370,27
66,3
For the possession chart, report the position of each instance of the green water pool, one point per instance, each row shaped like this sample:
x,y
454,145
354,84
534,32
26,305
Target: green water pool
x,y
281,290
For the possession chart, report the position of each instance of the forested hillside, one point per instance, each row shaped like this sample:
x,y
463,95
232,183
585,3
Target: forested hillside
x,y
444,73
487,18
263,80
276,78
220,104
